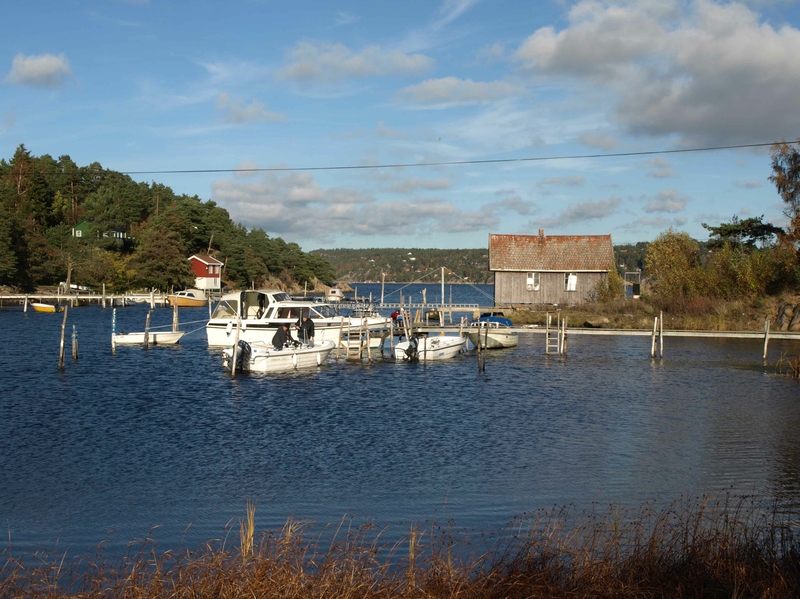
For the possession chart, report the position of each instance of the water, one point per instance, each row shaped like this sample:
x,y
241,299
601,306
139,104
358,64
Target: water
x,y
119,444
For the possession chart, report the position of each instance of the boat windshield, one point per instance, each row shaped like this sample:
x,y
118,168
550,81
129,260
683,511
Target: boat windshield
x,y
281,297
226,309
322,312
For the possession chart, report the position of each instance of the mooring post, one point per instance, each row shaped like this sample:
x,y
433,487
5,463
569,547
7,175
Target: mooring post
x,y
661,335
114,331
653,343
236,345
174,314
103,301
547,334
61,349
74,342
209,307
147,329
766,339
25,304
564,338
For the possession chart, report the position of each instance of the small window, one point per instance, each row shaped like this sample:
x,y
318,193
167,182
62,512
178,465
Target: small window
x,y
533,281
78,233
570,281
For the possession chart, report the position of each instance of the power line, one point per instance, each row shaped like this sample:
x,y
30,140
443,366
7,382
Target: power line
x,y
454,162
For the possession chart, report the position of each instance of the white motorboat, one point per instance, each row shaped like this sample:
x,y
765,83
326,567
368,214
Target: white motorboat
x,y
263,311
153,337
492,333
263,357
425,349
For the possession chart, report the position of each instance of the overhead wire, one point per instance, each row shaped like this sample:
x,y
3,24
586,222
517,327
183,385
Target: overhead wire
x,y
278,169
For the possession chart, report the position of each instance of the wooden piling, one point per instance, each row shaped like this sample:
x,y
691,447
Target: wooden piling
x,y
661,335
74,342
61,348
209,307
564,337
25,304
147,329
175,315
236,345
103,301
114,331
766,339
653,340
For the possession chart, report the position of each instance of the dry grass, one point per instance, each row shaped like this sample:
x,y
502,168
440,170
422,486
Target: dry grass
x,y
694,549
701,314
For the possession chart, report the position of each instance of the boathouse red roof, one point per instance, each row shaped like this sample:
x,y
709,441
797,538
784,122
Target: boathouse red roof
x,y
206,259
550,252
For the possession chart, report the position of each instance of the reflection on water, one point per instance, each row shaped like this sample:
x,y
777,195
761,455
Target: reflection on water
x,y
165,438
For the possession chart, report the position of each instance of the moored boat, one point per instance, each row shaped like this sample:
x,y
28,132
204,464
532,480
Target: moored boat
x,y
263,357
188,298
153,337
41,307
492,332
263,311
426,349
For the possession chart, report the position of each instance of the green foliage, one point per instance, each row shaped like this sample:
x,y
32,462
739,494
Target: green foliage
x,y
610,288
42,199
673,261
747,232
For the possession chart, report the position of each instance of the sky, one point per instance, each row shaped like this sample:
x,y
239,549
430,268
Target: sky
x,y
533,100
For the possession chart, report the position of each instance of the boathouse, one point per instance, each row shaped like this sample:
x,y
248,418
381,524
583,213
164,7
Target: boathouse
x,y
548,269
207,271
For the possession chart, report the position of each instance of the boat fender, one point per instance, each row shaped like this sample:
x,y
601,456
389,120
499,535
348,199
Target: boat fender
x,y
229,328
319,360
294,360
260,313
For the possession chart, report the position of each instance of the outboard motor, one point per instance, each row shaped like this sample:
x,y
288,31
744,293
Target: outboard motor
x,y
412,351
243,353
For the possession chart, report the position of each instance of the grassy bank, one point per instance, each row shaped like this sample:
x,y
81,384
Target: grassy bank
x,y
703,548
699,314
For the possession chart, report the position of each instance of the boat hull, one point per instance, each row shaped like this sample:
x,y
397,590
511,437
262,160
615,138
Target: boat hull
x,y
46,308
265,358
431,348
186,302
156,338
493,339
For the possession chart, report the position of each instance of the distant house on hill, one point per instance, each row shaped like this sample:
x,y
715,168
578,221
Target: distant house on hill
x,y
207,271
555,269
85,229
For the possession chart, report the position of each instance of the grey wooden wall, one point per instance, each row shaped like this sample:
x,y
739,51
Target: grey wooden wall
x,y
511,288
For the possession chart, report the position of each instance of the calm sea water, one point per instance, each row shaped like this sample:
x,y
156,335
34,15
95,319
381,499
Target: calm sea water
x,y
119,444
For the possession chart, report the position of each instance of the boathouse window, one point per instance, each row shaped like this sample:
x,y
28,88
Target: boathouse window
x,y
570,281
533,281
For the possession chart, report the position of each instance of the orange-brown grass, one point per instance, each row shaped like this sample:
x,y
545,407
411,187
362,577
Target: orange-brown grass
x,y
699,548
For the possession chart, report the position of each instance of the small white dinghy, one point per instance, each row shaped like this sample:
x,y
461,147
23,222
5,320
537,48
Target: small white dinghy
x,y
263,357
425,349
154,338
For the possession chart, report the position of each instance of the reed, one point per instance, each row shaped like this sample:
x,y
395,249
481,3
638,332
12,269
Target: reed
x,y
706,547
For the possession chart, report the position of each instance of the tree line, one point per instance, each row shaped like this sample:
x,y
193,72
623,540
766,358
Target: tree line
x,y
132,235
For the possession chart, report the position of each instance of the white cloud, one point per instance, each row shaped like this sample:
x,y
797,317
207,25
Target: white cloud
x,y
751,184
345,18
658,222
235,112
568,181
450,91
309,62
711,73
414,183
491,54
580,212
667,200
295,204
45,70
599,140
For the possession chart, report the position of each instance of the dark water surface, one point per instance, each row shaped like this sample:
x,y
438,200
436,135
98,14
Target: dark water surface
x,y
118,444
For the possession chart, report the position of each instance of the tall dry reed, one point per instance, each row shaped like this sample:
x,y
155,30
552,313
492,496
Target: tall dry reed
x,y
709,547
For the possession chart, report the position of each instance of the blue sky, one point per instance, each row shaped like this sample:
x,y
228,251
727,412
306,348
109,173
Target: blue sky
x,y
154,85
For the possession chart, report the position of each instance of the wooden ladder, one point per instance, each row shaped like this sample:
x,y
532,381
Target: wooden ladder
x,y
552,336
355,343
